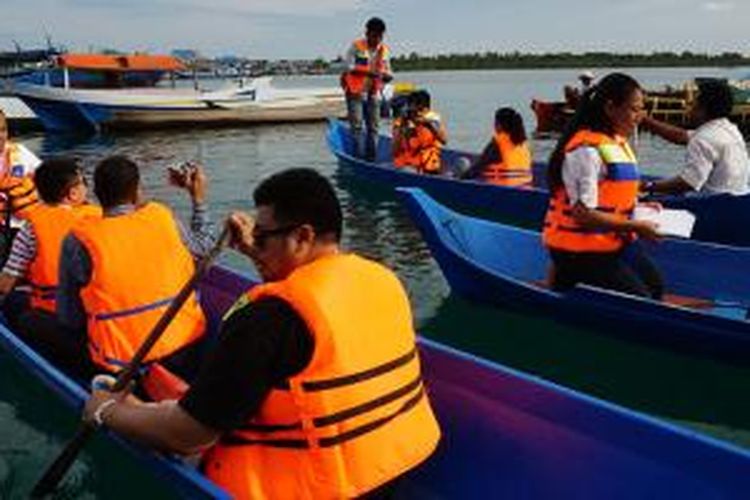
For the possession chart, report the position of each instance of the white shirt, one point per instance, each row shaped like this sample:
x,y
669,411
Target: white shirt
x,y
717,160
582,170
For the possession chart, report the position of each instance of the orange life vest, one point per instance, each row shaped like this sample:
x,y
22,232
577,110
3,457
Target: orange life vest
x,y
355,83
358,415
618,193
514,167
402,156
139,263
425,147
50,225
17,184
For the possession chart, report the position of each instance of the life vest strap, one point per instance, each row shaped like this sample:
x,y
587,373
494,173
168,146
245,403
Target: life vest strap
x,y
333,383
236,439
133,311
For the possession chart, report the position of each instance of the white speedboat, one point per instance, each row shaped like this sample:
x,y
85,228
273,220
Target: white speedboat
x,y
66,108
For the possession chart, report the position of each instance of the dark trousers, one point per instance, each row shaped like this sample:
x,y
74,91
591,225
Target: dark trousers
x,y
64,348
68,349
629,271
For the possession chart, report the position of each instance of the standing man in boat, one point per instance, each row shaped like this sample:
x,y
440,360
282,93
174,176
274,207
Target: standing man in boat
x,y
717,159
506,160
368,63
120,272
593,179
35,255
315,388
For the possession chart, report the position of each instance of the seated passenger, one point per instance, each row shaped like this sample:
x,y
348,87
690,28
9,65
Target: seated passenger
x,y
17,165
717,159
118,274
323,317
401,129
35,255
506,160
429,136
593,179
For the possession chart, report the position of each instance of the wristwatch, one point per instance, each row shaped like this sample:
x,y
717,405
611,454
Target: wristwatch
x,y
648,186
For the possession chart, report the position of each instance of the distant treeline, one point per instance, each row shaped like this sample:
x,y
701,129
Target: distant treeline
x,y
517,60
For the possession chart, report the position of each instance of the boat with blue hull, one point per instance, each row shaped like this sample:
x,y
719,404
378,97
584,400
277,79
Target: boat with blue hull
x,y
121,92
707,301
721,218
505,434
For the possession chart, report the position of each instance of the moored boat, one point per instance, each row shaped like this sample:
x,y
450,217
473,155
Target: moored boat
x,y
705,309
720,218
123,94
505,434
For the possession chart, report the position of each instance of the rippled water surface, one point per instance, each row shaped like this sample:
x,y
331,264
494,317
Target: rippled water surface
x,y
706,396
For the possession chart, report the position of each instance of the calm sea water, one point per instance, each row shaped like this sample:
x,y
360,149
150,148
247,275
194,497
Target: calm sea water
x,y
702,395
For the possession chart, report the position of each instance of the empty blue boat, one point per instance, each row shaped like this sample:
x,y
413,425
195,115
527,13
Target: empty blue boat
x,y
720,218
505,434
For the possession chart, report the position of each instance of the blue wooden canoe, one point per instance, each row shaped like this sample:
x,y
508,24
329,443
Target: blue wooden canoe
x,y
496,263
720,218
506,434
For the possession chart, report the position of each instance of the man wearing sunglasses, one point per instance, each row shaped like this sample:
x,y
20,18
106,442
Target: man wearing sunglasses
x,y
315,389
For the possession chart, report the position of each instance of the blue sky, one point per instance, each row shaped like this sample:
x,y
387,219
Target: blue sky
x,y
311,28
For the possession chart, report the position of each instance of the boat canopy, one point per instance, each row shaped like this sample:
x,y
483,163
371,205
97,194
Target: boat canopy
x,y
131,62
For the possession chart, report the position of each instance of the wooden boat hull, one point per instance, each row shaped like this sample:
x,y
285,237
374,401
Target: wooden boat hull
x,y
505,434
721,218
499,264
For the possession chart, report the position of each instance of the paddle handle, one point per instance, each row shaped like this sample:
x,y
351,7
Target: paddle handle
x,y
55,472
131,370
57,469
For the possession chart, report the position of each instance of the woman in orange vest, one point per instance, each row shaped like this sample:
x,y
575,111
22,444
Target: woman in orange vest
x,y
368,68
315,389
506,160
593,179
35,256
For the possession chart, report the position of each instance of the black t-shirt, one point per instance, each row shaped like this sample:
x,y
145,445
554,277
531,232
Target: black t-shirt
x,y
260,346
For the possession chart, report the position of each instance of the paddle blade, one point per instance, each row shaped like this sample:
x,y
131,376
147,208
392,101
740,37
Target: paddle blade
x,y
56,471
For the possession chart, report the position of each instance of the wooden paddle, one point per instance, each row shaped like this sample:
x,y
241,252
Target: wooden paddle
x,y
55,472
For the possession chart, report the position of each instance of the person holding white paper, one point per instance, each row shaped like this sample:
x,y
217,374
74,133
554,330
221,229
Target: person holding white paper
x,y
717,158
594,180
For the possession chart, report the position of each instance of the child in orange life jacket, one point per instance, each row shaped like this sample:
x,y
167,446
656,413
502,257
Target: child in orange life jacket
x,y
35,256
429,135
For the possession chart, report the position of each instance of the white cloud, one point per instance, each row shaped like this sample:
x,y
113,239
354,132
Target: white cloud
x,y
718,6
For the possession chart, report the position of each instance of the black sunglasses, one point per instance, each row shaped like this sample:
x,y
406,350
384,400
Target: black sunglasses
x,y
260,236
